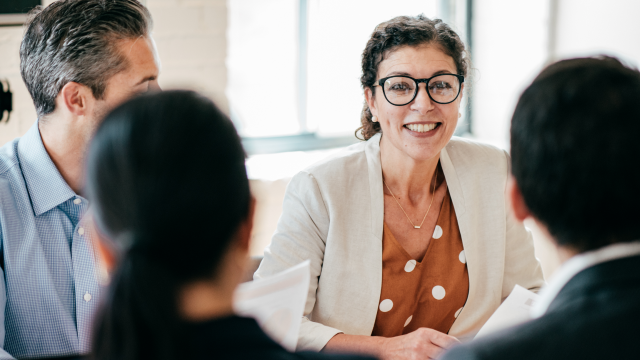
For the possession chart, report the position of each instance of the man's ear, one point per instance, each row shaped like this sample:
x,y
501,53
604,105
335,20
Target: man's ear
x,y
518,206
76,98
244,233
370,99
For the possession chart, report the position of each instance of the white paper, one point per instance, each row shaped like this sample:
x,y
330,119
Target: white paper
x,y
277,303
515,309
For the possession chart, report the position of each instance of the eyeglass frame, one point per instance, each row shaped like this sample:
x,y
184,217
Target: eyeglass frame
x,y
418,81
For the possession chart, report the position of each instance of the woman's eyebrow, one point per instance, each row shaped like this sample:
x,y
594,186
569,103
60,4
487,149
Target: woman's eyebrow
x,y
403,73
393,73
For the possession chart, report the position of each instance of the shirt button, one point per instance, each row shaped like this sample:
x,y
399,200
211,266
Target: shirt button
x,y
81,231
77,201
87,297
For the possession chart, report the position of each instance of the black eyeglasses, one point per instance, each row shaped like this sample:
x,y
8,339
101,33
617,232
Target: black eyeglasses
x,y
400,90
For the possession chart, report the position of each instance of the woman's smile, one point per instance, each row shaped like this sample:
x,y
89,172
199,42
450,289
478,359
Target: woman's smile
x,y
422,129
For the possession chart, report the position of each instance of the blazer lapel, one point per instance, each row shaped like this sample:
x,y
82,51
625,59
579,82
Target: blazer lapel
x,y
455,189
374,246
464,223
372,150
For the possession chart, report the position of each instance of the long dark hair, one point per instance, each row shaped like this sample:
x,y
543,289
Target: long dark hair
x,y
167,179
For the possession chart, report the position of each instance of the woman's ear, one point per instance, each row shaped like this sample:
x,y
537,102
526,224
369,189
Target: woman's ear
x,y
518,206
370,99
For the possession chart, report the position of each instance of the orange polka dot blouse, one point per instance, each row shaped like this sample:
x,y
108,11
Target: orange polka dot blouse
x,y
428,293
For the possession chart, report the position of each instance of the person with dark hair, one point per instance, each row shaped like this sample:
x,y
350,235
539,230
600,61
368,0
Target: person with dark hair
x,y
574,133
410,242
79,59
173,208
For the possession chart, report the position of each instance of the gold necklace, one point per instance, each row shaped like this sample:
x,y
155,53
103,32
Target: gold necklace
x,y
435,178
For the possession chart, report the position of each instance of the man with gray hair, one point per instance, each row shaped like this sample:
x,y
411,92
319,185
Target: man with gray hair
x,y
79,59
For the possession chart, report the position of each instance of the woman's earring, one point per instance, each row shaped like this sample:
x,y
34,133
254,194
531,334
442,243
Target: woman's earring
x,y
374,118
459,115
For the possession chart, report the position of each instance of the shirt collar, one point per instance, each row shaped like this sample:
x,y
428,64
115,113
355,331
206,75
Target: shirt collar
x,y
47,188
575,265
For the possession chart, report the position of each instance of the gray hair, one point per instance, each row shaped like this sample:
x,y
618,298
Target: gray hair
x,y
75,40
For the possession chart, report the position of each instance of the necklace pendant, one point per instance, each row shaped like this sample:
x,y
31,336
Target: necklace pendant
x,y
417,227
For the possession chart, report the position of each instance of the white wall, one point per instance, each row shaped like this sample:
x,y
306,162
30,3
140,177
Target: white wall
x,y
24,114
191,40
589,27
510,41
191,36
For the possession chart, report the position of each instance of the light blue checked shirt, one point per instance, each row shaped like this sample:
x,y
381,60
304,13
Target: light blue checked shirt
x,y
48,289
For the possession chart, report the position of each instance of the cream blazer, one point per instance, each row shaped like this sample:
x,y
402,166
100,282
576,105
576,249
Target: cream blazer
x,y
333,214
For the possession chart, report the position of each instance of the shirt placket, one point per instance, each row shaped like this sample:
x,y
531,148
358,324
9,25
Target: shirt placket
x,y
85,276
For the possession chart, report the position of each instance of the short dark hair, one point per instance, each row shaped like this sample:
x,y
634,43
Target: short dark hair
x,y
405,31
75,40
575,151
167,179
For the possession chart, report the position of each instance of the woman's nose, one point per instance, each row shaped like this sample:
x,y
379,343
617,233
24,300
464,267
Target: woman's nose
x,y
422,102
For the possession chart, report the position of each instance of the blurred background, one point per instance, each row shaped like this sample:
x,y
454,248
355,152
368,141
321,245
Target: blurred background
x,y
287,71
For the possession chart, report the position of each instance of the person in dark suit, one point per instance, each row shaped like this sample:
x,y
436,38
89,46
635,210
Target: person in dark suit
x,y
173,212
575,153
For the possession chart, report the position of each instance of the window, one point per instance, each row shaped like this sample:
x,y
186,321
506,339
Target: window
x,y
286,58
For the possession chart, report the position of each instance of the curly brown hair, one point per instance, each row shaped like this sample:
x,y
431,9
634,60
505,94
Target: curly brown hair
x,y
405,31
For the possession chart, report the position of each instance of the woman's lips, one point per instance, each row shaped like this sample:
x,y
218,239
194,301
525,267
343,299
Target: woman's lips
x,y
422,128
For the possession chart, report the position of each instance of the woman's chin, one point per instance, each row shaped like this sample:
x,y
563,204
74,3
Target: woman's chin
x,y
420,147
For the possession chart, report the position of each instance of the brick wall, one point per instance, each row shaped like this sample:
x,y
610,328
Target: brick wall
x,y
191,40
24,114
192,43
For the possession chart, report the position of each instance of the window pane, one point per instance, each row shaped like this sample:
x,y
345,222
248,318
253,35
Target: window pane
x,y
338,33
262,58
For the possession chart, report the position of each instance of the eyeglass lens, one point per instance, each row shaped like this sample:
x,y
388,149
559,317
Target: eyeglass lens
x,y
401,90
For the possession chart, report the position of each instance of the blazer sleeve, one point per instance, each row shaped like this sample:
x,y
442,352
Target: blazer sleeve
x,y
301,235
521,265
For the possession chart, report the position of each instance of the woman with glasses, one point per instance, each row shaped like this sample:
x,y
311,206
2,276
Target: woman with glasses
x,y
410,240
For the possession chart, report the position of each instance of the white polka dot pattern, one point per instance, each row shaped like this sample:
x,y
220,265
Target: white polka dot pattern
x,y
458,312
411,264
437,232
386,305
462,257
438,292
408,321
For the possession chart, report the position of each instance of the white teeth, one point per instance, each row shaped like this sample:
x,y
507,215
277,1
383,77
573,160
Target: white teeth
x,y
421,127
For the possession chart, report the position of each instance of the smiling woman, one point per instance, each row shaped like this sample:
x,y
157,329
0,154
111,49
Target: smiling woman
x,y
408,234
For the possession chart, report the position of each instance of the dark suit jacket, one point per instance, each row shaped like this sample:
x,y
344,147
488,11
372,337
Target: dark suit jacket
x,y
240,338
596,315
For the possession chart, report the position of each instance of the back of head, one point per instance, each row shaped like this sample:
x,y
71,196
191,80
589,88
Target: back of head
x,y
75,40
575,151
167,179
